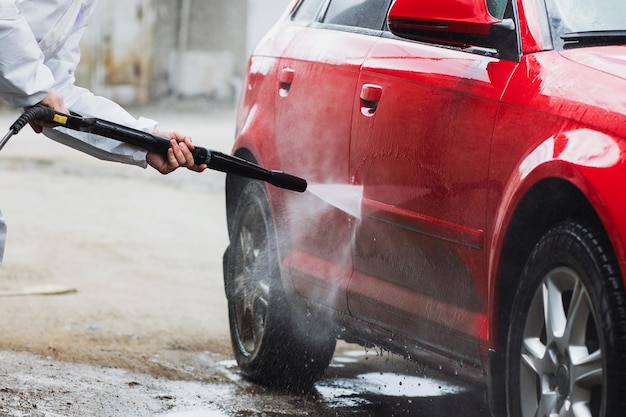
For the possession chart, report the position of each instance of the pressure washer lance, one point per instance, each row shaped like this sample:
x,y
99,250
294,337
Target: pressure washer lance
x,y
214,160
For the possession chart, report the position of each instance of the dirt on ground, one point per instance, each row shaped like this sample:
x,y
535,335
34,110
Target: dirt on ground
x,y
113,265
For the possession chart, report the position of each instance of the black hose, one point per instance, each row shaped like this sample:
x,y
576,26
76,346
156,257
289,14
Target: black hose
x,y
28,116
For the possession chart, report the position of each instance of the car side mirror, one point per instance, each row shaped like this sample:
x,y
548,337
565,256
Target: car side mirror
x,y
455,22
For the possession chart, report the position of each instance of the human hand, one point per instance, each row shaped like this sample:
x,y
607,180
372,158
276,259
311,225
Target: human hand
x,y
178,155
55,101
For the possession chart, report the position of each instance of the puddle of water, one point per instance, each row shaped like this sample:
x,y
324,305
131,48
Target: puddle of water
x,y
363,388
386,384
196,413
341,361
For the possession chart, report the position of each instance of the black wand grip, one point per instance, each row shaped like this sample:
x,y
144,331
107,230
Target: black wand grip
x,y
200,155
138,138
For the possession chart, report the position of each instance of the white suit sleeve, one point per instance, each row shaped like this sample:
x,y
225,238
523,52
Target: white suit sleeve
x,y
80,100
85,103
24,79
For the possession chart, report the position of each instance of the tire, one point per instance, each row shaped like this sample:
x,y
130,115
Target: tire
x,y
573,363
273,344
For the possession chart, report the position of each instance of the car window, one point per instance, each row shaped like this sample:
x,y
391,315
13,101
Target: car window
x,y
368,14
496,8
583,16
307,10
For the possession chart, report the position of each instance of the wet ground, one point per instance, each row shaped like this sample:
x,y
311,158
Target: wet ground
x,y
358,383
112,300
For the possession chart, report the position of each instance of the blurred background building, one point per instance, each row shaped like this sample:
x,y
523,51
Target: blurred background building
x,y
139,51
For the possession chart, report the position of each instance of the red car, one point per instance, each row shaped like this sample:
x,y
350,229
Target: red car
x,y
482,145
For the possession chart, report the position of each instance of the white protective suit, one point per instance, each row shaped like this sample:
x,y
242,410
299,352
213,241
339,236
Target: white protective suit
x,y
39,51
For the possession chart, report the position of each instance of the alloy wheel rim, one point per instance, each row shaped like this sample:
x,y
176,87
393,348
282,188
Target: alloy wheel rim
x,y
251,285
562,365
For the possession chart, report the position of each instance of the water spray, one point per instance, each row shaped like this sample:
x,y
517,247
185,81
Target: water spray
x,y
214,160
345,197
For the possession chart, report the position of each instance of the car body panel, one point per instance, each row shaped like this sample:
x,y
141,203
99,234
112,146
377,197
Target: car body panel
x,y
533,28
425,189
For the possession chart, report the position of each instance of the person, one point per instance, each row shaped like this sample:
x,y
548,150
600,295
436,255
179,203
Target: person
x,y
39,53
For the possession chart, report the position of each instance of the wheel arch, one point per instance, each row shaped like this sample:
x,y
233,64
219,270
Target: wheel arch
x,y
545,204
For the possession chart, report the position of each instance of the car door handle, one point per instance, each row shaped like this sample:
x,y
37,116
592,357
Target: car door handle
x,y
285,79
370,97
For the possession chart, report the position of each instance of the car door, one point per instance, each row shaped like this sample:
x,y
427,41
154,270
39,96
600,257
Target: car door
x,y
422,155
318,76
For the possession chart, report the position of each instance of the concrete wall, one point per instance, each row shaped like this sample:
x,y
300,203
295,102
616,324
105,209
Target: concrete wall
x,y
116,52
136,51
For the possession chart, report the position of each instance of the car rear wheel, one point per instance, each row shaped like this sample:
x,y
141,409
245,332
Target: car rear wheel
x,y
273,344
567,341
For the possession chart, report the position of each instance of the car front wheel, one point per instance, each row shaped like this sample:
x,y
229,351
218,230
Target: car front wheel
x,y
567,341
273,344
